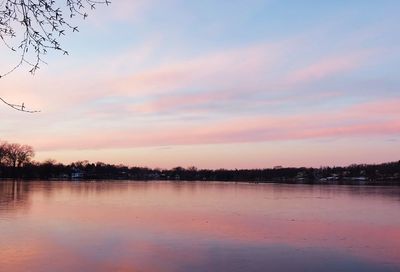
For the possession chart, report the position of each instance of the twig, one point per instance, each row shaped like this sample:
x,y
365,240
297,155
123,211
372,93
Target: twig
x,y
18,107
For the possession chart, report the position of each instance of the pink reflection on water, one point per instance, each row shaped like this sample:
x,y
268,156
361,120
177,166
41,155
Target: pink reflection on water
x,y
161,226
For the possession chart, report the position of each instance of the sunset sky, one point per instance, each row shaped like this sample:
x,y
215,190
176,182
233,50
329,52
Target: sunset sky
x,y
233,84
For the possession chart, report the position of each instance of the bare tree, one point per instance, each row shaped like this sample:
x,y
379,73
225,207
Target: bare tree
x,y
3,152
36,26
24,155
16,155
12,154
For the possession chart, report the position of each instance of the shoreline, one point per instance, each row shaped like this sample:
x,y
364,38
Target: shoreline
x,y
286,182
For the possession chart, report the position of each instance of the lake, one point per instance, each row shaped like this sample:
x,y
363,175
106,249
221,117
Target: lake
x,y
197,226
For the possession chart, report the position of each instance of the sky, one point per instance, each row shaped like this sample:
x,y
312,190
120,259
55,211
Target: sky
x,y
216,84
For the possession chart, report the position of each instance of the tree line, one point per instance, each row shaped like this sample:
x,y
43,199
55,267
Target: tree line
x,y
16,161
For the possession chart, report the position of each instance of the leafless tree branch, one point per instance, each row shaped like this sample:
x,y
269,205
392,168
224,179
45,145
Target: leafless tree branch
x,y
18,107
37,26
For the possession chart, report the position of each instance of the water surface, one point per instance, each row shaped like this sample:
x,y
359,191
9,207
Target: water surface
x,y
197,226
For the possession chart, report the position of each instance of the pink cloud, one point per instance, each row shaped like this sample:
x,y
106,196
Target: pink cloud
x,y
329,66
240,71
241,66
189,101
353,121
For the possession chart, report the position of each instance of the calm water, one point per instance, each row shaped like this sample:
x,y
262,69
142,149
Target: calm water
x,y
159,226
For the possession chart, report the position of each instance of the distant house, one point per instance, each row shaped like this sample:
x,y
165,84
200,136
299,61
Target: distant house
x,y
77,173
359,178
153,176
331,178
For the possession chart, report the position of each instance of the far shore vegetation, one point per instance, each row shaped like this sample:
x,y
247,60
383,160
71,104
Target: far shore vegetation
x,y
16,162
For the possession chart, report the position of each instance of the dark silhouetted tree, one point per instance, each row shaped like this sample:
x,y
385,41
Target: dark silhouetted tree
x,y
3,152
16,155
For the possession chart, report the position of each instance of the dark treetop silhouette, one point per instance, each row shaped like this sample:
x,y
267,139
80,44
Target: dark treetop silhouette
x,y
16,162
15,155
36,26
